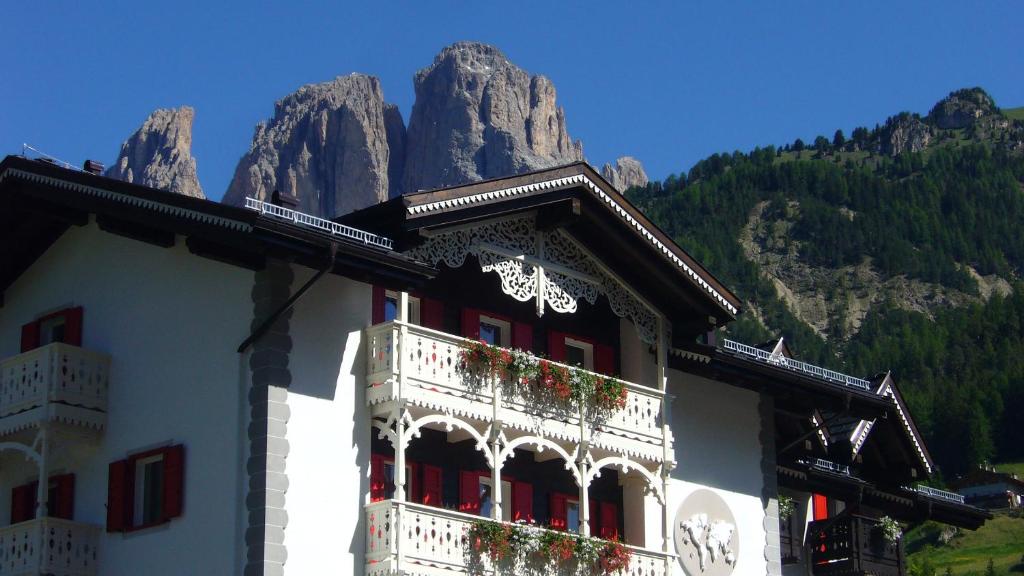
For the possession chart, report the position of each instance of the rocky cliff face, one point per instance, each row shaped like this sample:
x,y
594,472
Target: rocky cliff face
x,y
329,144
159,154
626,173
961,108
479,116
905,133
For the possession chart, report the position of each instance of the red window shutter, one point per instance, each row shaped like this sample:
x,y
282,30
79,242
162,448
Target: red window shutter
x,y
432,487
558,511
469,492
118,497
30,336
609,523
604,359
64,507
471,323
377,305
594,524
522,501
174,481
23,499
432,313
522,336
73,326
377,480
556,346
820,507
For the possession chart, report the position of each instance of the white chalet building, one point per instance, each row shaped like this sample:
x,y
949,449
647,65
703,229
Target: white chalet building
x,y
193,388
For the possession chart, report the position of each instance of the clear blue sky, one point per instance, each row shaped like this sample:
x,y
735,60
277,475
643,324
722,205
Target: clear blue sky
x,y
669,83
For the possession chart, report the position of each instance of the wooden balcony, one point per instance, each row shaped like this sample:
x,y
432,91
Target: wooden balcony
x,y
57,382
423,368
853,546
421,540
50,546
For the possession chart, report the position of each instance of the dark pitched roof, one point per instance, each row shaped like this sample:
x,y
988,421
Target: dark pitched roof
x,y
607,223
40,200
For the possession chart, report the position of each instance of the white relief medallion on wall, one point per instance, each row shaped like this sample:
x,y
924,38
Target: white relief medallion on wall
x,y
705,535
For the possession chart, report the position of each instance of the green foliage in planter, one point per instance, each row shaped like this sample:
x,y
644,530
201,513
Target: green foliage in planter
x,y
786,507
532,377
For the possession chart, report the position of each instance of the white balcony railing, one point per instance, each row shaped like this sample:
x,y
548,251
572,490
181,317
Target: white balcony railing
x,y
58,373
796,365
431,363
49,546
433,541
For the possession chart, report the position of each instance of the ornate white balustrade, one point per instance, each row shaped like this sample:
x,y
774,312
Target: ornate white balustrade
x,y
422,540
49,546
422,367
69,378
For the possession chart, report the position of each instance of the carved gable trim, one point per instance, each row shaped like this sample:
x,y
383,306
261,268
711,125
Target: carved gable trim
x,y
548,267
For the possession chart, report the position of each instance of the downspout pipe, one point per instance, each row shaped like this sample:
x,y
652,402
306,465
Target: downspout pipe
x,y
288,304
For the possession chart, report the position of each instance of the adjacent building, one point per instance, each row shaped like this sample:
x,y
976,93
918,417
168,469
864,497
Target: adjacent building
x,y
519,375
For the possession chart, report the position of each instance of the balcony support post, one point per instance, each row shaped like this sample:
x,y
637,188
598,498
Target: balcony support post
x,y
495,442
666,467
400,433
42,487
584,527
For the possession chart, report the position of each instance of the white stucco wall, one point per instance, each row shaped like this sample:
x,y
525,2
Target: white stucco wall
x,y
329,429
171,322
716,429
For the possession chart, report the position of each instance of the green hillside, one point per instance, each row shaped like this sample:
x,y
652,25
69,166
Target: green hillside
x,y
1015,113
907,204
1000,540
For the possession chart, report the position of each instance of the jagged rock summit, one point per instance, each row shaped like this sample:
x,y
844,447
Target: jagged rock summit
x,y
337,146
159,154
479,116
626,173
961,108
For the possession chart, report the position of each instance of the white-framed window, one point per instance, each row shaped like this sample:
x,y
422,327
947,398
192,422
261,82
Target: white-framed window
x,y
572,515
389,480
579,353
391,300
52,329
495,331
149,490
487,498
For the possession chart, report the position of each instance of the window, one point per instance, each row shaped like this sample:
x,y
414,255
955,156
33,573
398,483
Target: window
x,y
145,489
149,490
579,353
382,479
486,492
495,332
62,326
391,300
60,499
52,329
572,515
496,329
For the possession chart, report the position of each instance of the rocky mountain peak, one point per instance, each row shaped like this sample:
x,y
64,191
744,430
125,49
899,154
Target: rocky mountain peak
x,y
962,108
479,116
626,173
159,154
329,144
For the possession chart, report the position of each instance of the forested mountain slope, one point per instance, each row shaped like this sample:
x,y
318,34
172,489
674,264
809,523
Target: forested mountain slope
x,y
898,248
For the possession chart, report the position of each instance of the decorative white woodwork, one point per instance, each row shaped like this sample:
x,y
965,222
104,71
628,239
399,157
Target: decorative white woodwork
x,y
426,363
549,267
50,546
433,542
55,373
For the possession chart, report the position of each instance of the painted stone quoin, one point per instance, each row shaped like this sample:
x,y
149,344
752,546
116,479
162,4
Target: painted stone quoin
x,y
519,375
